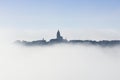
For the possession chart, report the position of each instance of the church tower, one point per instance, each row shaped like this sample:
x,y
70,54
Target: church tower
x,y
59,36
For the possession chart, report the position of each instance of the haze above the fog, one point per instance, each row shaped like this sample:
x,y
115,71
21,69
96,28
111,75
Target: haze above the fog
x,y
60,14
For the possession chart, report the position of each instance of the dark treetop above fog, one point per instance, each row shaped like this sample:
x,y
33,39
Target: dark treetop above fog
x,y
59,39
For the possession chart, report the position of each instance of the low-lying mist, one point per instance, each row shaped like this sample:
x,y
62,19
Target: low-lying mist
x,y
58,62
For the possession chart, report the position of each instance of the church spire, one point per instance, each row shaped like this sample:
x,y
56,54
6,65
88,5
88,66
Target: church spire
x,y
58,34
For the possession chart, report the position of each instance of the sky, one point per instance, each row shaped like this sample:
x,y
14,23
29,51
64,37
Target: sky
x,y
60,14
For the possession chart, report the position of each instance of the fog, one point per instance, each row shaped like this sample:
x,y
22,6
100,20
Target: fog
x,y
58,62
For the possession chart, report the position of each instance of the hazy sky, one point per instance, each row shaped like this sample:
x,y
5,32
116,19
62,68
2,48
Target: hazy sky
x,y
60,14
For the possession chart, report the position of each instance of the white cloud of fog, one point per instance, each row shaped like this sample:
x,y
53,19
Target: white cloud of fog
x,y
60,62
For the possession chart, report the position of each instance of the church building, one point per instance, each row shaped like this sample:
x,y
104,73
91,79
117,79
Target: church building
x,y
58,38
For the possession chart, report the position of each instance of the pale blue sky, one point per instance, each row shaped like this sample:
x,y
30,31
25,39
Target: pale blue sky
x,y
60,14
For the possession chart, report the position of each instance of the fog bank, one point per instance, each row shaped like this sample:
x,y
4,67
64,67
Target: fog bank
x,y
59,62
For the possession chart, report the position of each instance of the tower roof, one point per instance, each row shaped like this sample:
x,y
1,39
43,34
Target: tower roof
x,y
58,33
58,30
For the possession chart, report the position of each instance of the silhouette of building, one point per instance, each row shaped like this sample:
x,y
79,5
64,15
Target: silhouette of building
x,y
58,38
